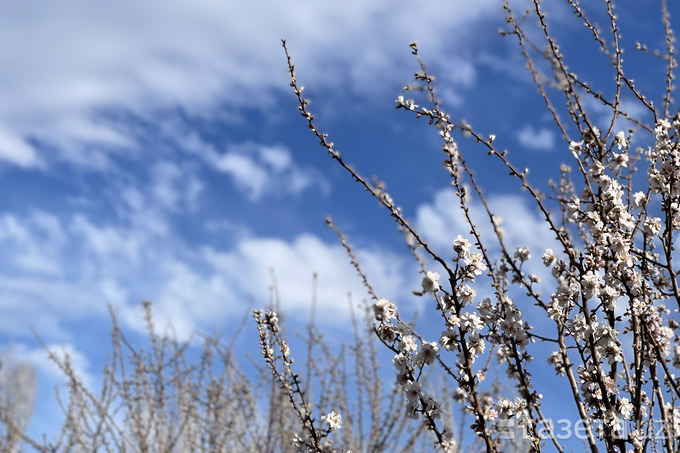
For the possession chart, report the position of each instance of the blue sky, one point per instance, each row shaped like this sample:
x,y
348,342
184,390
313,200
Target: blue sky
x,y
153,151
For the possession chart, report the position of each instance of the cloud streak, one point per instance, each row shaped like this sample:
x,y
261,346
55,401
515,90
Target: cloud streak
x,y
190,287
76,66
538,139
259,170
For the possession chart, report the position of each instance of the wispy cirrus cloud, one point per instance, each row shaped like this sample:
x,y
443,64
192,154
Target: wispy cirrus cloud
x,y
90,265
75,68
538,139
259,170
441,221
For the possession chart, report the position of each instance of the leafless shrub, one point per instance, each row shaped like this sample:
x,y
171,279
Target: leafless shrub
x,y
161,398
17,399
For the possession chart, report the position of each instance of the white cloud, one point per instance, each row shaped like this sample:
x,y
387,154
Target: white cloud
x,y
276,157
256,169
249,269
173,186
602,115
74,66
40,358
441,221
260,169
20,234
106,241
247,174
92,265
15,150
510,64
539,139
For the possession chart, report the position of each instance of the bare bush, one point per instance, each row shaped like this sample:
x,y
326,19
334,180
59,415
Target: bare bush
x,y
162,398
17,399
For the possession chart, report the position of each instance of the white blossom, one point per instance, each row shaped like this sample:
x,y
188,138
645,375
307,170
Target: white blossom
x,y
400,361
556,360
466,294
462,246
333,419
625,407
522,254
431,407
427,353
590,285
476,264
486,310
652,226
430,282
548,257
579,327
620,140
576,148
408,344
413,391
384,310
449,340
639,199
471,322
476,345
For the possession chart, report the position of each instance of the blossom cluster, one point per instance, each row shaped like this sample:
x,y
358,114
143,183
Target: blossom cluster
x,y
609,281
611,336
412,354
